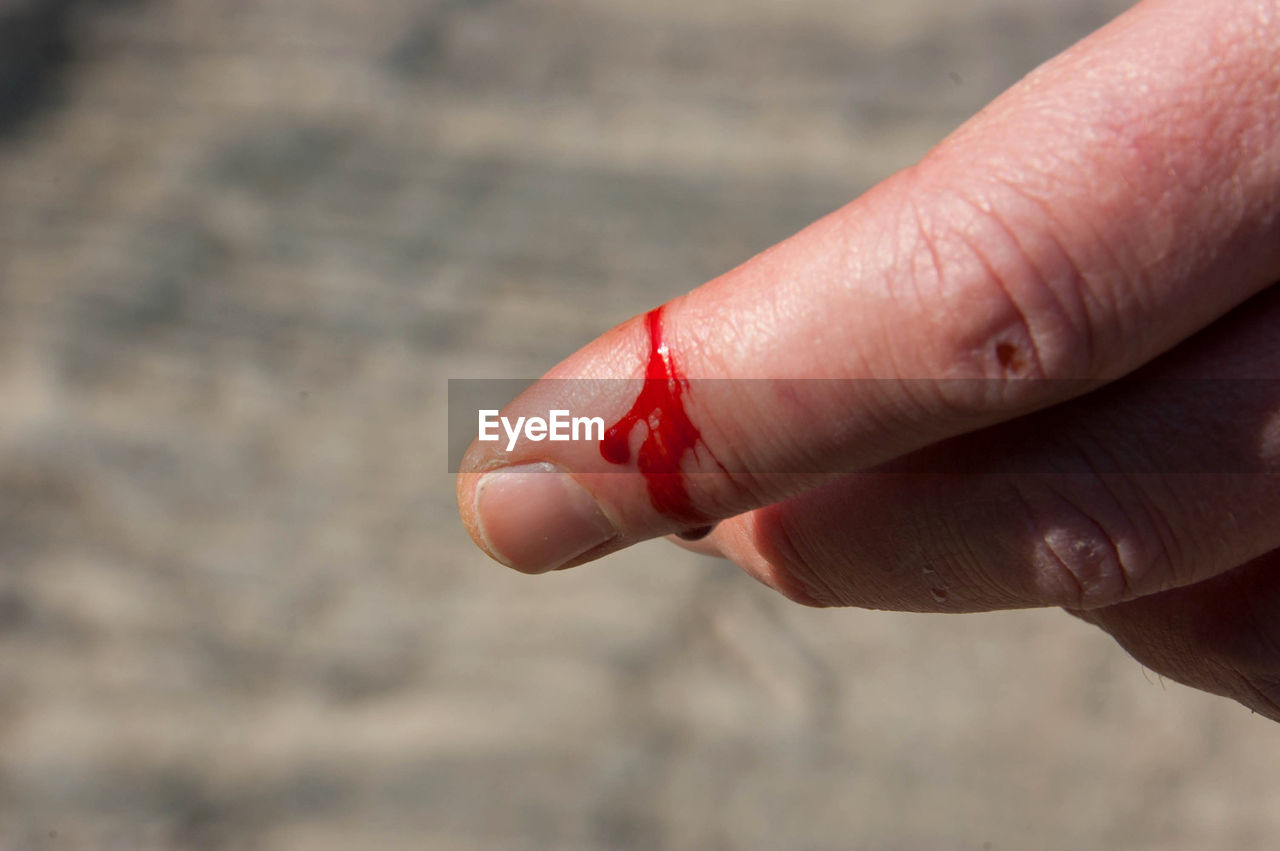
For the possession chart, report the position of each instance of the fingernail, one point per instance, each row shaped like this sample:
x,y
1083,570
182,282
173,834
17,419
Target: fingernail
x,y
535,517
695,534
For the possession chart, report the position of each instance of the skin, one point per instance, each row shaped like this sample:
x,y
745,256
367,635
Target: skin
x,y
1101,234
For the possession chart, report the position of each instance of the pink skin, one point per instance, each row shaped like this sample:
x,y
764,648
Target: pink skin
x,y
1097,222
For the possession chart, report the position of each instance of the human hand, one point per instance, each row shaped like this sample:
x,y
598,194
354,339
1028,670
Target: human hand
x,y
1035,395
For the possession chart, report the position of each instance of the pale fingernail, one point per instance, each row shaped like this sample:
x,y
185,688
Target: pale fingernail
x,y
535,518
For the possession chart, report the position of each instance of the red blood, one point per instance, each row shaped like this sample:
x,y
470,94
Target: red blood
x,y
669,433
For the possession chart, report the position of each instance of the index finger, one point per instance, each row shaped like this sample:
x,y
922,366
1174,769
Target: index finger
x,y
1115,201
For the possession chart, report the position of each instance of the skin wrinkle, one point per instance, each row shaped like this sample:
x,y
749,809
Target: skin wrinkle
x,y
1028,329
1136,284
971,562
906,206
1131,576
777,547
792,556
1174,490
1132,115
1170,542
1014,597
996,590
878,416
1102,541
744,489
1086,444
892,236
1073,585
953,565
930,245
1226,543
783,569
1023,337
1143,492
927,237
1083,320
1118,265
1046,193
906,239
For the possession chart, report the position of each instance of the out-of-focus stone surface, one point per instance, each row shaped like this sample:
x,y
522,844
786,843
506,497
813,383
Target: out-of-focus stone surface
x,y
243,245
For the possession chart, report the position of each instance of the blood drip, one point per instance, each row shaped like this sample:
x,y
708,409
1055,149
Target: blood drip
x,y
669,431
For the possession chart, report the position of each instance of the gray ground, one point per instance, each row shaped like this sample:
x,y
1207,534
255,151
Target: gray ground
x,y
242,246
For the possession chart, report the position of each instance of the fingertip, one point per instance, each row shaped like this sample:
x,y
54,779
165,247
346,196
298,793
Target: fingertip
x,y
535,518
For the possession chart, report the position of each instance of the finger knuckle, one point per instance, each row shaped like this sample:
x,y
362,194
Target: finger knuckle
x,y
1087,549
1013,306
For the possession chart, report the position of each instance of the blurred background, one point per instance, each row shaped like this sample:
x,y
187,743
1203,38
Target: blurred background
x,y
244,243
